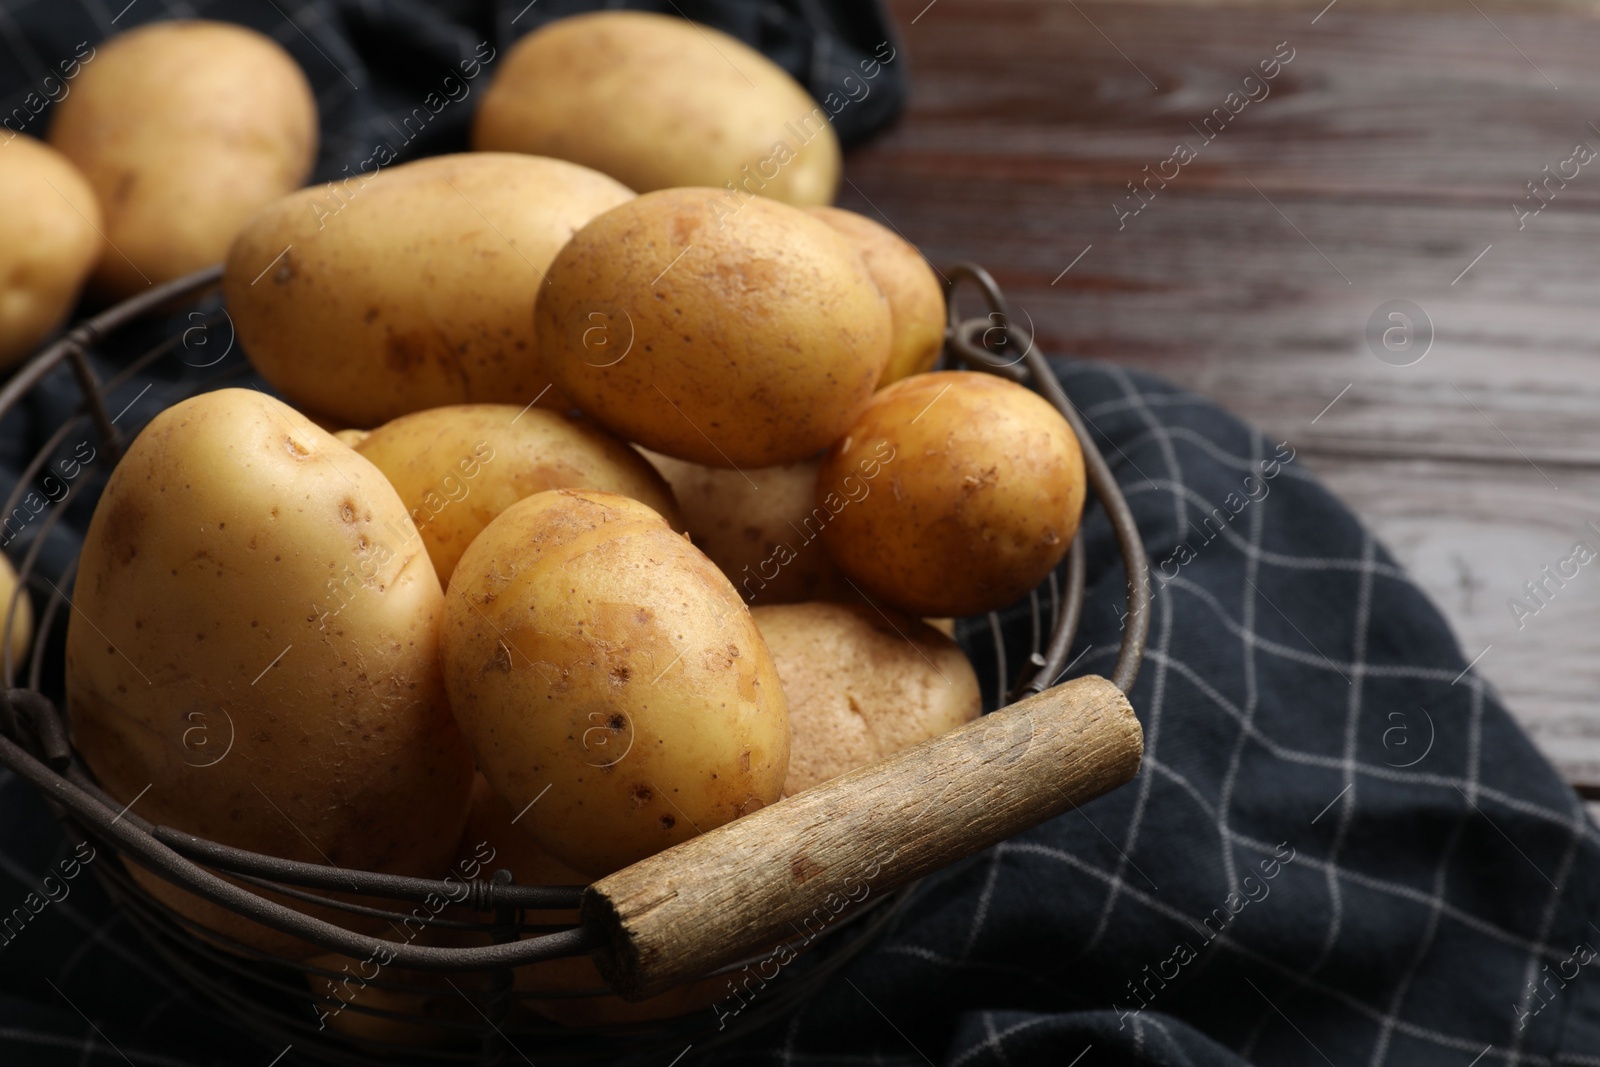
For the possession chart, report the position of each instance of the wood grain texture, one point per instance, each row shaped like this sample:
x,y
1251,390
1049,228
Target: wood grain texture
x,y
800,863
1382,163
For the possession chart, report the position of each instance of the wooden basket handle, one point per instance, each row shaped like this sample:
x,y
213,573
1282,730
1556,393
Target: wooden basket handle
x,y
797,865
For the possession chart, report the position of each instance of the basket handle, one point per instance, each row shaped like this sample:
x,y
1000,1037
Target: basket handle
x,y
794,867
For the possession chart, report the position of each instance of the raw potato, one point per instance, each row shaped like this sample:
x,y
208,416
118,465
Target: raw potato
x,y
255,638
740,342
916,299
862,685
184,129
48,243
760,526
412,288
658,102
600,664
985,486
22,623
458,467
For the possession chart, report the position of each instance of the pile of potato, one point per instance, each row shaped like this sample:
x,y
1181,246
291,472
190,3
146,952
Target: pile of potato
x,y
555,424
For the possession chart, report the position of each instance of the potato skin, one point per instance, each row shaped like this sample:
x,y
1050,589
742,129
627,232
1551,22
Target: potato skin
x,y
22,625
984,494
255,638
862,684
658,102
184,128
751,341
411,288
916,299
458,467
758,526
47,250
590,651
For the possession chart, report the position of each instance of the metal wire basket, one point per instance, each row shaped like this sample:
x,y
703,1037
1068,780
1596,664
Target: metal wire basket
x,y
458,1005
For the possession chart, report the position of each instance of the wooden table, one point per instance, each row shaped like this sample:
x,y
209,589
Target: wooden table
x,y
1383,164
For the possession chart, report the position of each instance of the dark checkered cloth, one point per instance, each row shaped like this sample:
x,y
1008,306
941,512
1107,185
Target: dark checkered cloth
x,y
1340,849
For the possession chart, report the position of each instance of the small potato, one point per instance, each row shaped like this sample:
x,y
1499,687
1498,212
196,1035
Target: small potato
x,y
184,128
600,665
740,342
415,287
253,653
862,685
916,299
21,623
985,487
48,243
458,467
659,102
760,526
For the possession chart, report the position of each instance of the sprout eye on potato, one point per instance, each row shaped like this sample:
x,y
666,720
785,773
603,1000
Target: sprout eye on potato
x,y
609,679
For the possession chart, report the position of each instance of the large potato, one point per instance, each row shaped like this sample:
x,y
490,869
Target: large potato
x,y
253,652
862,685
46,249
739,342
979,494
411,289
658,102
916,299
760,526
458,467
184,129
606,673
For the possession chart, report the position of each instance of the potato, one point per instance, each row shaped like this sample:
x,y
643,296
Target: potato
x,y
604,671
252,657
985,486
862,684
21,623
658,102
47,250
412,288
184,128
353,438
759,526
458,467
745,342
916,299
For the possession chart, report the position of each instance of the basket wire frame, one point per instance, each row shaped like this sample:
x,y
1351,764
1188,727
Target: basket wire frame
x,y
489,1024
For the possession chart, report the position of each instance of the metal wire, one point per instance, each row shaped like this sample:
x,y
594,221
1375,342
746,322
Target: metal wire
x,y
270,994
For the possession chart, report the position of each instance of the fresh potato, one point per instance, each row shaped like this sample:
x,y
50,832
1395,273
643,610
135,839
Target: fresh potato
x,y
412,288
745,342
458,467
600,665
916,299
48,243
862,685
985,486
22,622
253,654
759,526
659,102
353,438
184,128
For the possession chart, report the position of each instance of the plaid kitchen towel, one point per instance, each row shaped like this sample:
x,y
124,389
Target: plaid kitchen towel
x,y
1340,848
